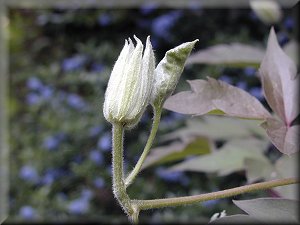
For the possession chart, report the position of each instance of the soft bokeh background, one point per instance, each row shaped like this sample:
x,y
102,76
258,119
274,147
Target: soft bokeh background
x,y
60,144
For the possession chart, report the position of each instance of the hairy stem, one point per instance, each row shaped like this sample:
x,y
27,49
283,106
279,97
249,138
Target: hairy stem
x,y
119,188
156,119
168,202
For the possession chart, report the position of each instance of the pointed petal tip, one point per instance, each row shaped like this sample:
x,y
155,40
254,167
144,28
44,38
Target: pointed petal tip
x,y
130,41
192,42
138,41
148,42
148,39
272,36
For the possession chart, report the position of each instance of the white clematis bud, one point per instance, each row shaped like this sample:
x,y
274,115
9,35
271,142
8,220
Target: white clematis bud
x,y
267,11
168,71
129,88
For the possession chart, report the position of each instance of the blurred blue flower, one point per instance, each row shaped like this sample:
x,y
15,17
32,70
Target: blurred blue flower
x,y
109,169
27,212
34,83
145,118
46,92
86,194
242,85
226,79
177,176
50,176
42,19
99,182
104,142
167,121
74,63
256,92
33,98
144,23
210,203
177,116
96,156
282,38
155,42
104,19
95,130
161,25
29,173
79,206
253,16
249,71
148,8
75,101
97,67
289,23
51,142
62,196
78,159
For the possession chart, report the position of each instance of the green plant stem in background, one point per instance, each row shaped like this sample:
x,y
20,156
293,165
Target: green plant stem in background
x,y
119,188
169,202
157,109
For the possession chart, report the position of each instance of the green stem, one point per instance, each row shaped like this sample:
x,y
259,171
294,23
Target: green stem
x,y
168,202
119,188
157,109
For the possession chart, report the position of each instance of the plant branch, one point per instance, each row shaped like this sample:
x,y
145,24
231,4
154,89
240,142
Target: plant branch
x,y
119,188
157,109
168,202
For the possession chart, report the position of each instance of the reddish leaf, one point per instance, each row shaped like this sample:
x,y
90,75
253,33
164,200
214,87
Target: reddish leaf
x,y
283,137
216,97
280,81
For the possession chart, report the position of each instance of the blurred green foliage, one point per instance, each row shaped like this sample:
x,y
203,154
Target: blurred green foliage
x,y
60,62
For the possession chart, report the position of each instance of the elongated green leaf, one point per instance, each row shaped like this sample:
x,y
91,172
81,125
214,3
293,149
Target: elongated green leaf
x,y
235,54
258,169
208,96
271,209
226,160
177,151
286,167
218,128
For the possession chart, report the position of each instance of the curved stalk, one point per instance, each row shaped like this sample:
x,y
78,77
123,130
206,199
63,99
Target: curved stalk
x,y
170,202
157,109
119,188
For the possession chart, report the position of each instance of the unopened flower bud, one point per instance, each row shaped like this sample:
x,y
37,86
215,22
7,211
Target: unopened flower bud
x,y
267,11
168,71
129,88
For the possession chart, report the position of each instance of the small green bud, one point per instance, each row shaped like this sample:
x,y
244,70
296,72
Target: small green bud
x,y
129,88
168,71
